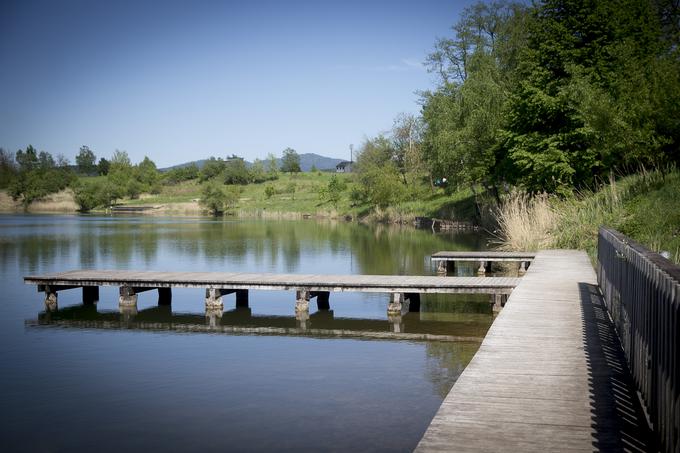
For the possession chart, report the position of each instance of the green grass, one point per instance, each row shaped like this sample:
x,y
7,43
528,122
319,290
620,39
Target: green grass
x,y
299,194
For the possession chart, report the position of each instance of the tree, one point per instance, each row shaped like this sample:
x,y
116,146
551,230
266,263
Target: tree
x,y
211,169
147,175
103,166
8,169
272,167
597,85
85,160
235,171
333,191
27,160
464,114
290,161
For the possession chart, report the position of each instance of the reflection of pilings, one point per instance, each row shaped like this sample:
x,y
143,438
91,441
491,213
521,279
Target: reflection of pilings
x,y
51,301
302,318
302,301
397,322
128,312
213,315
127,297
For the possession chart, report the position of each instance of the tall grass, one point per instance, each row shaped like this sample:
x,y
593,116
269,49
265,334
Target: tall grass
x,y
645,206
525,222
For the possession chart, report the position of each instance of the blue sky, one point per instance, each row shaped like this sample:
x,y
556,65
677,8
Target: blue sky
x,y
182,80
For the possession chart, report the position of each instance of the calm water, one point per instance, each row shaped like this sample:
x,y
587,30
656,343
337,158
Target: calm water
x,y
90,378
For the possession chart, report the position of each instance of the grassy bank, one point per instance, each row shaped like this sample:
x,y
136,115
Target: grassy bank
x,y
644,206
289,196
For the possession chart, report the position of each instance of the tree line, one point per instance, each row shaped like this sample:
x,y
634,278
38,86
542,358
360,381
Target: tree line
x,y
549,98
29,175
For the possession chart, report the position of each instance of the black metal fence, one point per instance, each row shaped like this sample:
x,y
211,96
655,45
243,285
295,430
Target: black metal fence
x,y
642,293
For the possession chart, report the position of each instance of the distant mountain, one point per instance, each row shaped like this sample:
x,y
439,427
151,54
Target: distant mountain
x,y
307,161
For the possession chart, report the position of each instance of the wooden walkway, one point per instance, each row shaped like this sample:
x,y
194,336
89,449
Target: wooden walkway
x,y
549,376
234,281
483,256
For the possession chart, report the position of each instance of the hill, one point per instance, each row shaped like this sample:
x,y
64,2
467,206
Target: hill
x,y
307,161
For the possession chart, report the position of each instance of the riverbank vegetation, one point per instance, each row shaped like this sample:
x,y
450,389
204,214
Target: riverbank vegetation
x,y
533,108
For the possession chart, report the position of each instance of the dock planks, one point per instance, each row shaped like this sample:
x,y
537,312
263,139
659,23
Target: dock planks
x,y
265,281
549,376
483,256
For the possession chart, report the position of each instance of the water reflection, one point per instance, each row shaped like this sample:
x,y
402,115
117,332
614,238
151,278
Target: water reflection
x,y
424,326
285,246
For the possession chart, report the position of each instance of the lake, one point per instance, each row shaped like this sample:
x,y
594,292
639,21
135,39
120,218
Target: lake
x,y
93,378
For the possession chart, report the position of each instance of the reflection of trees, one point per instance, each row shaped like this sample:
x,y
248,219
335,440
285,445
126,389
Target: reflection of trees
x,y
445,362
125,242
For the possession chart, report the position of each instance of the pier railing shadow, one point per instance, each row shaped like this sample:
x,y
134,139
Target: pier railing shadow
x,y
618,420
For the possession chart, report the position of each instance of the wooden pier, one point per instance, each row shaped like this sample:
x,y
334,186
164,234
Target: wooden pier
x,y
550,374
446,261
404,290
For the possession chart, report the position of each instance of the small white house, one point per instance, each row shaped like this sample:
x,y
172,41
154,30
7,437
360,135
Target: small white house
x,y
344,167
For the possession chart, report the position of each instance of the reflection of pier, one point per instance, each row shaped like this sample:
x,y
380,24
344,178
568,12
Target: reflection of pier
x,y
241,322
404,290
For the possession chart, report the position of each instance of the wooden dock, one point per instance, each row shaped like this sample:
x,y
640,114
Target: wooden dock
x,y
446,260
549,376
402,288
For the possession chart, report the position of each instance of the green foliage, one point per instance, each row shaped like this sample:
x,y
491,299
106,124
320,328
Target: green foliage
x,y
269,191
37,176
290,161
332,192
103,166
211,169
595,83
213,197
8,168
235,172
90,194
85,160
177,175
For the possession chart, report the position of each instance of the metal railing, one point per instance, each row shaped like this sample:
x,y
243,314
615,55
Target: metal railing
x,y
641,290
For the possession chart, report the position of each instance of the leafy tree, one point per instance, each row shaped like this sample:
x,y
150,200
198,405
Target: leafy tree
x,y
257,173
269,191
8,169
290,161
177,175
85,160
235,171
213,197
120,175
333,191
596,89
103,166
27,160
211,169
272,167
464,114
148,176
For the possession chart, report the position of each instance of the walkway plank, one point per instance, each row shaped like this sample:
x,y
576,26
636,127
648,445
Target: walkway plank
x,y
231,280
549,375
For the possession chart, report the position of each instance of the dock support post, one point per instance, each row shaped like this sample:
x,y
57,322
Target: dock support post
x,y
413,301
90,295
442,268
213,299
127,297
164,296
301,301
396,304
241,298
50,300
322,300
522,268
482,268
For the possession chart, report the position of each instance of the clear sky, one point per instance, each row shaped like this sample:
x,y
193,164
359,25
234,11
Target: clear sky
x,y
185,80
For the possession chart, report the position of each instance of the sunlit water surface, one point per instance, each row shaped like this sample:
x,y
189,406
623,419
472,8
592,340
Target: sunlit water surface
x,y
88,378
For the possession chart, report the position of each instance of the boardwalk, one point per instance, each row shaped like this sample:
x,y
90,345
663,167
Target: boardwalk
x,y
262,281
549,376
